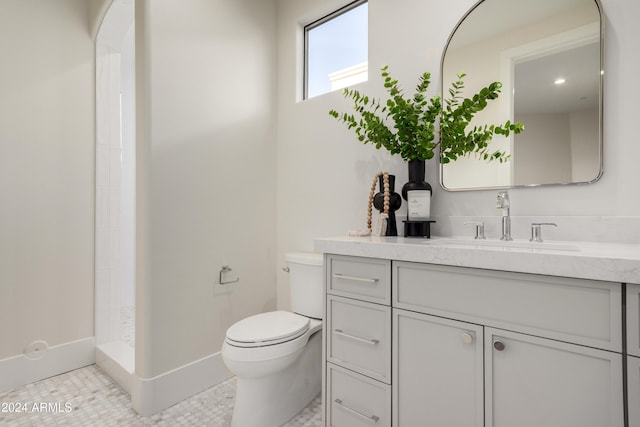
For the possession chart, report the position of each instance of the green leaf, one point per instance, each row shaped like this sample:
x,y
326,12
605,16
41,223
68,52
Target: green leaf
x,y
406,125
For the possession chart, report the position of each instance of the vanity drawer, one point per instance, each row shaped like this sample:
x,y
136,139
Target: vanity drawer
x,y
633,319
586,312
359,336
363,278
355,400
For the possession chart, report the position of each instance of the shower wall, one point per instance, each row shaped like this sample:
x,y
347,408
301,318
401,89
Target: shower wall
x,y
115,195
115,176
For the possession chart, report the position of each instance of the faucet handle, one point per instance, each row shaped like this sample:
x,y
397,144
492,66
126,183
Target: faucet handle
x,y
536,230
479,229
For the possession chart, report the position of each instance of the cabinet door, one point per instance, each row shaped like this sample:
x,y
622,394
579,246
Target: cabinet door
x,y
633,372
533,382
437,372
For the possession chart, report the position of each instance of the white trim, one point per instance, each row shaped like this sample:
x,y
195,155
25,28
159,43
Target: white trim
x,y
117,360
576,37
19,370
151,395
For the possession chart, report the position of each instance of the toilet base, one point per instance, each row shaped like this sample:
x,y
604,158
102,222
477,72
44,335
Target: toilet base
x,y
272,400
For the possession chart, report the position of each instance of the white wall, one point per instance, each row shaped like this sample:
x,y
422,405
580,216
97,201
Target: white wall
x,y
46,173
324,173
206,172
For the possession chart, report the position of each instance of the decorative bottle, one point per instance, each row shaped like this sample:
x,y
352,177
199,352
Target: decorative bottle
x,y
417,192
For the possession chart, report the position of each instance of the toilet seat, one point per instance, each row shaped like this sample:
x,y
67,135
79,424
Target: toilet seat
x,y
267,329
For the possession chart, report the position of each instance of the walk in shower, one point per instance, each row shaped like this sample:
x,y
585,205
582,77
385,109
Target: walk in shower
x,y
115,193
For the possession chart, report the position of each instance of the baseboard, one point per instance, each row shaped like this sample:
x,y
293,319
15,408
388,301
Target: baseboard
x,y
21,370
117,360
151,395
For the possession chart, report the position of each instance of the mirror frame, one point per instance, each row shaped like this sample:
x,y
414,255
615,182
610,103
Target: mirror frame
x,y
600,108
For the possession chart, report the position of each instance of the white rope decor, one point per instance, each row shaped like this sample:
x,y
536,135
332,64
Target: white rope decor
x,y
381,225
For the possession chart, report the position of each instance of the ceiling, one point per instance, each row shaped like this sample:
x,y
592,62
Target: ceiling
x,y
535,90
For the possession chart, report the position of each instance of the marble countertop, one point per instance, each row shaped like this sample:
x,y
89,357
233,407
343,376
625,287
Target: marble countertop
x,y
587,260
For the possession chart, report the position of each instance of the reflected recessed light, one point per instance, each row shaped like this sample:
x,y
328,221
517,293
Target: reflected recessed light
x,y
560,81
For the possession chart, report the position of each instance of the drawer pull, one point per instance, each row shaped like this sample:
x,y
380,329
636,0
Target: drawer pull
x,y
353,337
373,418
354,278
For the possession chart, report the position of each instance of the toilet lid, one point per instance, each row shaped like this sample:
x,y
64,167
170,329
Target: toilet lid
x,y
267,329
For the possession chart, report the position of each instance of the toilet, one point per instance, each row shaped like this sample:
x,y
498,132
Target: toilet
x,y
277,356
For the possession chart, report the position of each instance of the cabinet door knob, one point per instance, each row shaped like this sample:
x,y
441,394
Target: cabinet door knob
x,y
467,338
498,345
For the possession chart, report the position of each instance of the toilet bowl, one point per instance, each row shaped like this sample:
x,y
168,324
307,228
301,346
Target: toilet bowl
x,y
277,356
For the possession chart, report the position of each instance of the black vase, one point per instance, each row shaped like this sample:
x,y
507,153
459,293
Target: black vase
x,y
416,178
395,201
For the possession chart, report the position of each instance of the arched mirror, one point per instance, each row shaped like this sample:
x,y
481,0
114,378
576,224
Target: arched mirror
x,y
548,56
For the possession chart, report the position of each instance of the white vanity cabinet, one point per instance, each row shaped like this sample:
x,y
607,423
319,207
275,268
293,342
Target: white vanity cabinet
x,y
633,351
442,379
357,342
414,344
522,344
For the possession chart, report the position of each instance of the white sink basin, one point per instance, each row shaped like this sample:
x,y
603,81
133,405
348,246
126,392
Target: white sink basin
x,y
502,244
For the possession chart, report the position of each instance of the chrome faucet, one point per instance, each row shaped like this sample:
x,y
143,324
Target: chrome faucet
x,y
504,204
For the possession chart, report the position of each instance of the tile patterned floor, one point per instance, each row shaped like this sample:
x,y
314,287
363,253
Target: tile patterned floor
x,y
88,397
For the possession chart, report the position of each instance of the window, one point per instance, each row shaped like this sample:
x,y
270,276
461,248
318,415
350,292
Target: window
x,y
336,50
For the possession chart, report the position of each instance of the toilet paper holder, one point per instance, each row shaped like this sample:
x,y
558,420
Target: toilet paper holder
x,y
226,269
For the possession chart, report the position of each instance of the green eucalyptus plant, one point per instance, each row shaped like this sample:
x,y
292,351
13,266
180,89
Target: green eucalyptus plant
x,y
413,134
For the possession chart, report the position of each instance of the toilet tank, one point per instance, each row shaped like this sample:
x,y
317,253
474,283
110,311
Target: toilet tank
x,y
305,283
